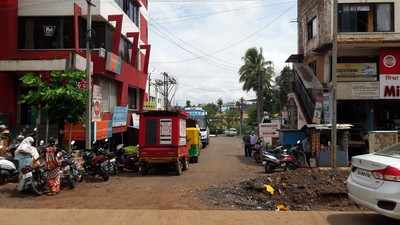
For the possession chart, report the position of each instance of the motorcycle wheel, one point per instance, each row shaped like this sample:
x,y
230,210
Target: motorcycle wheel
x,y
291,166
105,176
71,182
142,170
37,187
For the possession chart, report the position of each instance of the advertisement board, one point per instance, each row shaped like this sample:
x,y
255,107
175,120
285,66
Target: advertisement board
x,y
120,116
135,120
165,131
96,104
269,131
389,61
182,132
390,86
356,69
113,63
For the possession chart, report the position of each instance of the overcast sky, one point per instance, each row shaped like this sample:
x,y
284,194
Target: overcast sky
x,y
201,42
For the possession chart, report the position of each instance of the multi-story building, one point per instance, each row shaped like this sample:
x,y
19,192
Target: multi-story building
x,y
155,97
368,69
49,35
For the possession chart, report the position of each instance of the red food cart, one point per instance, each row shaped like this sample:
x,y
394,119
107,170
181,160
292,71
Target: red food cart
x,y
162,140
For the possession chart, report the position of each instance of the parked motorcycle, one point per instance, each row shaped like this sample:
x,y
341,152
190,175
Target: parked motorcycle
x,y
71,170
126,161
257,150
96,163
284,161
8,170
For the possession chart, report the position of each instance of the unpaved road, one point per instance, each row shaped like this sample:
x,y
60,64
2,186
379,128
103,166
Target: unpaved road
x,y
221,162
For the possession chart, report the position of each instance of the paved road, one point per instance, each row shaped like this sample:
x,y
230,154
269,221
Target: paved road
x,y
221,162
186,217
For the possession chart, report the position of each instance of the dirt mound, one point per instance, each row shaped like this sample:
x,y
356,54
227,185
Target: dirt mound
x,y
302,190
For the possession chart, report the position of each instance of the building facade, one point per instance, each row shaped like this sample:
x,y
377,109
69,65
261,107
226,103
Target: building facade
x,y
46,35
368,64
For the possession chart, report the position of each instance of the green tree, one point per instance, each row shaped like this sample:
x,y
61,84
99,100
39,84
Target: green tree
x,y
220,103
61,95
283,81
256,75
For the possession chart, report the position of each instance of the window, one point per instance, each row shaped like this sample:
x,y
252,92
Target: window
x,y
109,93
45,32
131,8
313,67
133,98
124,49
312,28
376,17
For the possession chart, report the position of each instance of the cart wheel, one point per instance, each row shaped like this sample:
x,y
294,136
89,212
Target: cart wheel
x,y
178,168
185,164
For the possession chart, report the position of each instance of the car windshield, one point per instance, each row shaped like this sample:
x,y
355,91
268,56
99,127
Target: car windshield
x,y
393,151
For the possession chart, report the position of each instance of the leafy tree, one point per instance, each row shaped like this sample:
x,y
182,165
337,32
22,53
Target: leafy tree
x,y
256,74
188,103
62,95
283,81
220,103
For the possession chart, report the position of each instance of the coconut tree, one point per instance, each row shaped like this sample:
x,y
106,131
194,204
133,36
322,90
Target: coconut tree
x,y
220,103
256,75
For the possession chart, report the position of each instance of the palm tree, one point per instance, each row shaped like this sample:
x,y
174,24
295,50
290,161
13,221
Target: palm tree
x,y
256,74
220,103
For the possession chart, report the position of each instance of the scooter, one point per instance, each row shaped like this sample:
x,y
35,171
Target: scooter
x,y
284,161
71,170
8,170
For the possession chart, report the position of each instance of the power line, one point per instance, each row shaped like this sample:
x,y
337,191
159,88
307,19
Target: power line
x,y
234,43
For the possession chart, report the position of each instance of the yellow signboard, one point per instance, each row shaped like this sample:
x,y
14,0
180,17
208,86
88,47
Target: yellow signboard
x,y
357,69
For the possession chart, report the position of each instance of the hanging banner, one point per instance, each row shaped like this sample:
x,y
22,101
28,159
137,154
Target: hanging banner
x,y
318,111
135,120
120,116
326,108
182,132
165,131
96,103
113,63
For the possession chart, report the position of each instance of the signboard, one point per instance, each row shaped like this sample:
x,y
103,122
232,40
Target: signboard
x,y
326,108
389,62
269,131
96,104
135,120
113,63
390,86
356,69
357,90
102,130
120,116
182,132
318,111
165,131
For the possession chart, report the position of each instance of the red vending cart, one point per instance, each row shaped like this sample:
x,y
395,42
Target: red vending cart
x,y
162,140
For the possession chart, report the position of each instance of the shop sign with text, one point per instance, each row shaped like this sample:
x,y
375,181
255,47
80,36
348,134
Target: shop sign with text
x,y
357,69
113,63
390,86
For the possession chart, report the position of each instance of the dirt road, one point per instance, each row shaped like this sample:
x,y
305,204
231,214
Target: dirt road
x,y
221,162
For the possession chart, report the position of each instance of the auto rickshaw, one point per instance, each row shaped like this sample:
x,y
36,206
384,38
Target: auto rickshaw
x,y
193,140
162,140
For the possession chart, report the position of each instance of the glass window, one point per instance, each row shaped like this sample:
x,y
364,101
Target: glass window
x,y
45,32
312,28
133,98
109,93
393,151
384,17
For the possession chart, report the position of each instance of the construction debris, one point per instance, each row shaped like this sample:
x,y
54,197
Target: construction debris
x,y
303,190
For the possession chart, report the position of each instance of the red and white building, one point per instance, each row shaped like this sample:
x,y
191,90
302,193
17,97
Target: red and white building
x,y
49,35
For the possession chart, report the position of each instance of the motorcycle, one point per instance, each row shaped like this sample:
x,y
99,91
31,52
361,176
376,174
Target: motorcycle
x,y
257,150
8,170
71,170
96,163
126,161
282,160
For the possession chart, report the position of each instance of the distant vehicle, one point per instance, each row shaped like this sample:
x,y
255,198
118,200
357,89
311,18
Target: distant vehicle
x,y
374,181
200,115
231,132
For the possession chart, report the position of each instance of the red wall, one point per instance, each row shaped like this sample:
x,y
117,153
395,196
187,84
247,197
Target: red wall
x,y
8,99
8,27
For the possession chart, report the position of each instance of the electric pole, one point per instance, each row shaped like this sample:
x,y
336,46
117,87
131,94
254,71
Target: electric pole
x,y
334,85
241,115
88,129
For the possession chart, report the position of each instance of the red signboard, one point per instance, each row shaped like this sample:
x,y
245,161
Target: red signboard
x,y
389,61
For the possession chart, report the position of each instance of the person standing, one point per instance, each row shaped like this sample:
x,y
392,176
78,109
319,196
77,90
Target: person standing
x,y
307,150
53,167
246,141
253,142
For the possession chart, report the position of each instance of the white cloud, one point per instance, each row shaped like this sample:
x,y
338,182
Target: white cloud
x,y
208,79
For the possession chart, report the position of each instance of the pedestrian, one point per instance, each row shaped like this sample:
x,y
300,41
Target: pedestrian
x,y
53,167
246,141
307,149
253,141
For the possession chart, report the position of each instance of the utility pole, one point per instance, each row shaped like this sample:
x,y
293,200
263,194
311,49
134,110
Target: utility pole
x,y
88,130
166,104
334,85
241,115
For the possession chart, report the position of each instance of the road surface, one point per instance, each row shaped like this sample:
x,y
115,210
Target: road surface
x,y
221,162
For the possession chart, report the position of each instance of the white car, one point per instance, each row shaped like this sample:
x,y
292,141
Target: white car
x,y
374,181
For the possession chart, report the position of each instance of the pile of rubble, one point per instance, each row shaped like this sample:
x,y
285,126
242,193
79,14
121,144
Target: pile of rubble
x,y
302,190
